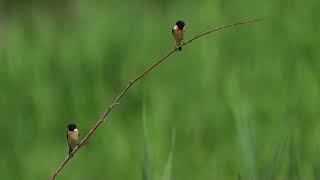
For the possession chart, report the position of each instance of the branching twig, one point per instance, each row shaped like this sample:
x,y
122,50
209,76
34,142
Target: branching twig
x,y
116,101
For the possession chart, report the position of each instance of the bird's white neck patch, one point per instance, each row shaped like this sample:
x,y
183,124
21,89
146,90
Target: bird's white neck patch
x,y
75,130
175,27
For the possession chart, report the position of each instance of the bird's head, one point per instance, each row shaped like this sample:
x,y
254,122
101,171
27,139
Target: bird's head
x,y
180,24
72,127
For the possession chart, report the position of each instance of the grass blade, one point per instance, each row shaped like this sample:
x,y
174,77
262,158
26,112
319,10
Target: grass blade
x,y
276,162
168,168
146,166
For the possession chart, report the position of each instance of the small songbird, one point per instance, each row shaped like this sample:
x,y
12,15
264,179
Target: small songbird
x,y
177,32
72,136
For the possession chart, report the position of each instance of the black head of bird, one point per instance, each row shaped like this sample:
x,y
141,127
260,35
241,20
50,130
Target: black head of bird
x,y
72,127
180,24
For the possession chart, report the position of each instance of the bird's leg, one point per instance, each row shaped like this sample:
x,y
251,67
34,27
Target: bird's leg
x,y
70,150
176,46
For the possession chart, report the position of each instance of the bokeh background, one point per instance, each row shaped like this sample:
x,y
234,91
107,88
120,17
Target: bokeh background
x,y
243,101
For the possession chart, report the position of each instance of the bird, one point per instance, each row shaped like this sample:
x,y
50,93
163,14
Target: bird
x,y
72,137
178,32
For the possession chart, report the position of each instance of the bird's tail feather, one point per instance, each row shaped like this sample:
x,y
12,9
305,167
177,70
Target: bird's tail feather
x,y
180,44
70,150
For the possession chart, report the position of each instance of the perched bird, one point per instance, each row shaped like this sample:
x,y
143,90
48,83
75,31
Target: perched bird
x,y
177,32
72,136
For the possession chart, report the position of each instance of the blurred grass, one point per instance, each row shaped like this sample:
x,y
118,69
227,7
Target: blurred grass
x,y
167,173
276,162
146,159
232,96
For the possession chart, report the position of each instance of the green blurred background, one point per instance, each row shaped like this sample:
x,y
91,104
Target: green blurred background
x,y
241,101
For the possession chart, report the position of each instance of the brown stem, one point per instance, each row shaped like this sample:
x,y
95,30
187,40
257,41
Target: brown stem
x,y
118,98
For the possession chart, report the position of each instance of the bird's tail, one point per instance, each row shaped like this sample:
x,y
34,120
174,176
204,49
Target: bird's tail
x,y
180,45
70,150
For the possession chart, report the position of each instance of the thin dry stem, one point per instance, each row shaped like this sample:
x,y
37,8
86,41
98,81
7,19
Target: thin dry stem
x,y
131,82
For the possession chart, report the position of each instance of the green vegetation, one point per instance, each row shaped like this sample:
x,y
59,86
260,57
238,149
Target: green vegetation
x,y
241,101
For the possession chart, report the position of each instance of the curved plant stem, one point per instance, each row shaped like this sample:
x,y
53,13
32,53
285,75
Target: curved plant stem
x,y
132,82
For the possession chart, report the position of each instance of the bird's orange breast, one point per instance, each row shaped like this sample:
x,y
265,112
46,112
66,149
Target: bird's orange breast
x,y
177,33
73,137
